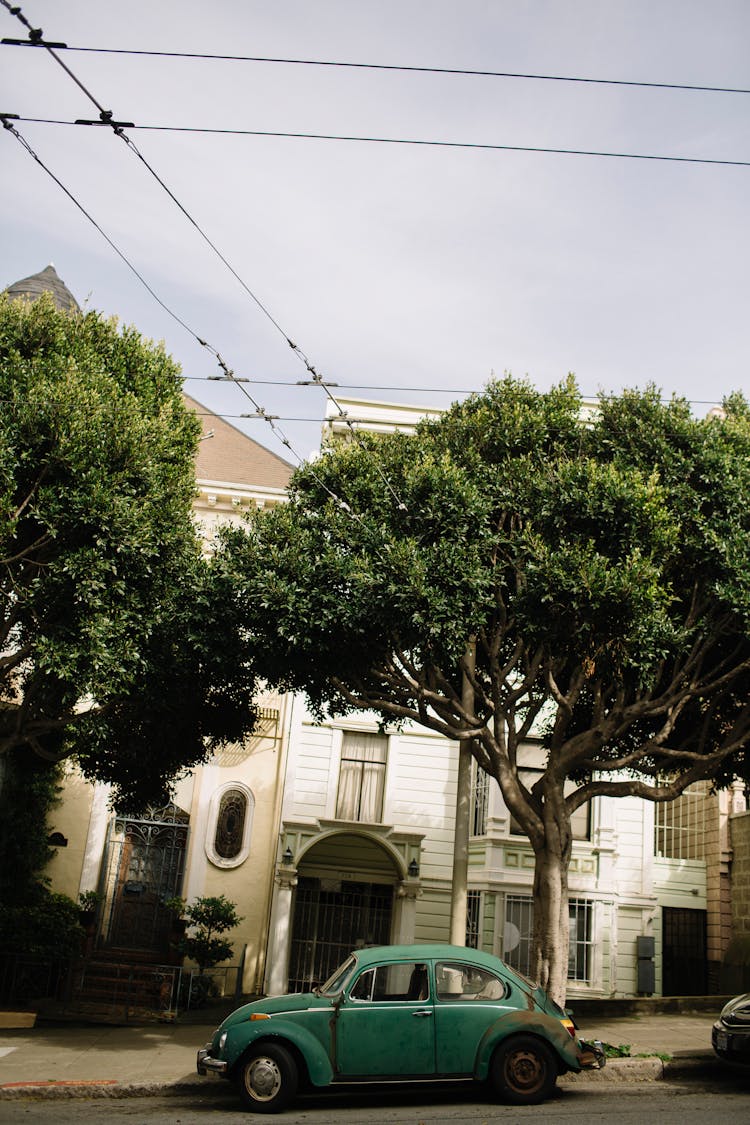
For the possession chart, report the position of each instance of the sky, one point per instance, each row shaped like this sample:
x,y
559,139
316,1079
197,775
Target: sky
x,y
410,273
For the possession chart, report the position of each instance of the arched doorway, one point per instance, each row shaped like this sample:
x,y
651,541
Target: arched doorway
x,y
343,900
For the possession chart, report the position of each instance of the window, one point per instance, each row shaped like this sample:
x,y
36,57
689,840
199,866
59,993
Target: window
x,y
406,982
467,982
230,824
580,821
579,951
680,825
230,821
362,777
519,928
480,795
473,918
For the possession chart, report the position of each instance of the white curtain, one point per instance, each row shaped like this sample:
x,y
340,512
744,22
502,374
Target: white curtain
x,y
362,777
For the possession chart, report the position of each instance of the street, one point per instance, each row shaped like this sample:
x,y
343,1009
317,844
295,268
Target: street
x,y
685,1104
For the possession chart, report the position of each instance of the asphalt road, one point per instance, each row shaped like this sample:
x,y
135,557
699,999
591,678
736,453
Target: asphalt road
x,y
688,1104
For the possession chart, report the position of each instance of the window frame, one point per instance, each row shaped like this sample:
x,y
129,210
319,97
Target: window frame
x,y
213,822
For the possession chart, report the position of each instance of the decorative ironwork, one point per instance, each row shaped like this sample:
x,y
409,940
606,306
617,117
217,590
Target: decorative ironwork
x,y
230,824
144,868
330,921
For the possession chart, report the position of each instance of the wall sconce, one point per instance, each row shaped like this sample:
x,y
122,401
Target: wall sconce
x,y
287,857
413,869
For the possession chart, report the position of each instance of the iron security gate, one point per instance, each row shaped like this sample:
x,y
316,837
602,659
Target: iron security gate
x,y
684,971
330,919
144,867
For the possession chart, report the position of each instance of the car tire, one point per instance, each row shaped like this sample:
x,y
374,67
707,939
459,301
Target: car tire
x,y
268,1078
523,1070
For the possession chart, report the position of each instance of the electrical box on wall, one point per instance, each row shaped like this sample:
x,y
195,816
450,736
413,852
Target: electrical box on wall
x,y
646,979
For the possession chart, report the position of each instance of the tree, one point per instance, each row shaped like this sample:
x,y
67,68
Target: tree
x,y
118,643
586,573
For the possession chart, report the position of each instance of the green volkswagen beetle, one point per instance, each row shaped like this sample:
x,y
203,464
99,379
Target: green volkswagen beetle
x,y
402,1013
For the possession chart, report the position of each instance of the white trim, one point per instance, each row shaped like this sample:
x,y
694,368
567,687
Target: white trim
x,y
213,817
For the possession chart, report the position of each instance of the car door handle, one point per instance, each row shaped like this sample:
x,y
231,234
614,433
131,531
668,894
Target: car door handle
x,y
423,1013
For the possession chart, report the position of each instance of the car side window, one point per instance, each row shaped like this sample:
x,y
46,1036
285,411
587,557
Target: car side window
x,y
467,982
407,982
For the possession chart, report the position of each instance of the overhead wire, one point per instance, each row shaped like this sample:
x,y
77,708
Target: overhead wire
x,y
419,142
106,118
392,67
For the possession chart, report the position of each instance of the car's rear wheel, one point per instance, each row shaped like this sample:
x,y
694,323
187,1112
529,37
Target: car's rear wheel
x,y
268,1078
524,1070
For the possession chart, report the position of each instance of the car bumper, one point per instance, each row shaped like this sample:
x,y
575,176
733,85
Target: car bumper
x,y
732,1045
592,1055
208,1065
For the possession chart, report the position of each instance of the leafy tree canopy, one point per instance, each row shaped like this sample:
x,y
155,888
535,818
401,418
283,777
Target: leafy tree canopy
x,y
596,560
118,646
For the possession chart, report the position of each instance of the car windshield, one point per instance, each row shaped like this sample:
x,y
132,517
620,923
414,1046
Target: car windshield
x,y
336,982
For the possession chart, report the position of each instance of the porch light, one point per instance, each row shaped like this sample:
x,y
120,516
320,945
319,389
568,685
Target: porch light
x,y
413,869
287,856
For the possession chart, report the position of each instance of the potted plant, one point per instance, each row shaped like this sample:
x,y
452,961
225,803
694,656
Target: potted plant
x,y
206,919
88,905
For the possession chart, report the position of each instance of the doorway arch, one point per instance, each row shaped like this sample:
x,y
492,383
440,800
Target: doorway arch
x,y
344,899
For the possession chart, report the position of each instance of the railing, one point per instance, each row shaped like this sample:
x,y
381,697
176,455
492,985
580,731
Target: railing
x,y
113,989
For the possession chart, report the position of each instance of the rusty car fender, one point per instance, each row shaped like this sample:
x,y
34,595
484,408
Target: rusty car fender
x,y
527,1023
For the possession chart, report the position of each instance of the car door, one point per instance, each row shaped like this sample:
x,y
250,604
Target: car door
x,y
385,1024
468,999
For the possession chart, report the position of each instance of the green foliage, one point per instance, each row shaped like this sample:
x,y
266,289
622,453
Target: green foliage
x,y
207,918
602,564
114,628
620,1052
46,925
28,792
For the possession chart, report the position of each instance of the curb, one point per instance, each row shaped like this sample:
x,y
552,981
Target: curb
x,y
617,1072
106,1088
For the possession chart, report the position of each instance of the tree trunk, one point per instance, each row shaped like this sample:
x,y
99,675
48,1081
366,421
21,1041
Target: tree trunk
x,y
551,938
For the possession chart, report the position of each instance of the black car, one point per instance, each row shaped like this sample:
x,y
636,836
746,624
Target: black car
x,y
730,1035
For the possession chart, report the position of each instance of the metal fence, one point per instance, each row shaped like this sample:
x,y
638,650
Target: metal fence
x,y
112,989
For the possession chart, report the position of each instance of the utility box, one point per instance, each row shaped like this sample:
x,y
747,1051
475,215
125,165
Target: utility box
x,y
646,978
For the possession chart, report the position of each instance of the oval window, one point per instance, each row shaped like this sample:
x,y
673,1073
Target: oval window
x,y
229,827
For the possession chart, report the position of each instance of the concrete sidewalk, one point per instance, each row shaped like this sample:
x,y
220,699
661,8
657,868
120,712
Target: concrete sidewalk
x,y
85,1061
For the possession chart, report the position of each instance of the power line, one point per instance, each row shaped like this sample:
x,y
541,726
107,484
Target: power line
x,y
404,141
390,67
411,390
106,118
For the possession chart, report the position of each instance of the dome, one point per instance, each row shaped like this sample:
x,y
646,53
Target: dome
x,y
30,288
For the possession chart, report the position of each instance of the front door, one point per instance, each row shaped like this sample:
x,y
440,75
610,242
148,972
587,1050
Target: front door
x,y
683,952
386,1024
144,868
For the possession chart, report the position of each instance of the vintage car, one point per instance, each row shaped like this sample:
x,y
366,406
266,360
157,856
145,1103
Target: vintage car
x,y
402,1013
730,1035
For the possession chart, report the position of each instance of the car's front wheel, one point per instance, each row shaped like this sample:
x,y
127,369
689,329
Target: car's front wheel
x,y
268,1078
524,1070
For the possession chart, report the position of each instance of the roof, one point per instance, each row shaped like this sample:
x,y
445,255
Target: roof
x,y
232,457
374,954
46,281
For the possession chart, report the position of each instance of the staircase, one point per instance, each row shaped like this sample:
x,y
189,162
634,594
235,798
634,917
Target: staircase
x,y
118,986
